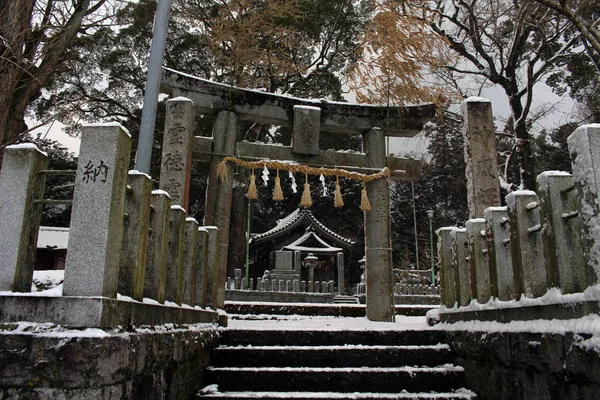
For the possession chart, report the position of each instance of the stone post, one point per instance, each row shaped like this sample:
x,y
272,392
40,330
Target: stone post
x,y
481,161
460,249
563,247
502,282
378,246
307,127
297,262
135,235
584,147
155,281
174,287
447,271
202,271
478,259
212,266
219,195
190,261
526,243
20,185
176,160
340,269
96,232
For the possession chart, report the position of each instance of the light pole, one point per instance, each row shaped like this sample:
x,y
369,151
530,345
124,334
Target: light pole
x,y
430,215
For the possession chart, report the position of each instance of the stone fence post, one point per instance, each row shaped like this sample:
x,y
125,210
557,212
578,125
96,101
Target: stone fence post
x,y
447,272
96,232
155,282
460,263
478,259
584,147
502,282
20,185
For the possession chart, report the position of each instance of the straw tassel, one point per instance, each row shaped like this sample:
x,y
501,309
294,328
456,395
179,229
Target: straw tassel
x,y
338,201
277,192
306,199
252,192
222,171
365,205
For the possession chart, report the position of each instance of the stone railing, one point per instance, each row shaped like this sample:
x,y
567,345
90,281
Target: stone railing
x,y
124,239
539,241
274,285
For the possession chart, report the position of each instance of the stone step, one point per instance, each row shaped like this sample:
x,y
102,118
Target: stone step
x,y
460,394
246,308
325,356
346,380
340,299
248,337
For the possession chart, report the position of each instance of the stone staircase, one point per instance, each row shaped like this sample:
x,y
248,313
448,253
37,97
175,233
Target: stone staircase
x,y
283,364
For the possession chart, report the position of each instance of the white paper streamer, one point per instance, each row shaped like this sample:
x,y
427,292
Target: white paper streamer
x,y
294,186
265,175
322,179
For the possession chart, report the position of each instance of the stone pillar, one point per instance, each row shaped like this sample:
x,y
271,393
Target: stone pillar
x,y
478,260
563,247
96,232
190,261
297,262
212,266
340,270
460,262
174,286
202,271
311,273
20,185
155,281
483,189
502,282
132,263
219,195
584,147
447,272
378,246
307,128
526,243
176,160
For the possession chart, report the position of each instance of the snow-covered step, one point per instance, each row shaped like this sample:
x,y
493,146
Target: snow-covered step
x,y
324,356
340,299
346,379
212,392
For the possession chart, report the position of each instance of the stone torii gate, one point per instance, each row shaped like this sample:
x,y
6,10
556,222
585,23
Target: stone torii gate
x,y
307,118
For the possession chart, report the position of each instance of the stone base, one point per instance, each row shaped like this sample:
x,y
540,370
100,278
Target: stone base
x,y
98,312
548,311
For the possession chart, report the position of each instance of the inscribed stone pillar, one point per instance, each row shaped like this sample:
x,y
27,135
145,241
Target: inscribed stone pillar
x,y
502,282
460,262
132,263
584,147
190,261
480,156
526,243
307,128
158,247
478,259
565,263
176,160
378,246
219,195
20,185
174,286
447,272
340,270
96,232
202,271
212,266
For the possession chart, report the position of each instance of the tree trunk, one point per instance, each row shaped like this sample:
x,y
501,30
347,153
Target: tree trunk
x,y
523,145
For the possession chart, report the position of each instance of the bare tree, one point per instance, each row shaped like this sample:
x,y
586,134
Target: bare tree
x,y
35,37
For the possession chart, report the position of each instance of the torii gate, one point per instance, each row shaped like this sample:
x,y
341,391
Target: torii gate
x,y
308,118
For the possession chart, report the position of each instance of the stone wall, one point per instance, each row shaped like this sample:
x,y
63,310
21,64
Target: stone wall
x,y
162,364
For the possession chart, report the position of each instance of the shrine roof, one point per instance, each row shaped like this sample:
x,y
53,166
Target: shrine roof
x,y
308,236
297,218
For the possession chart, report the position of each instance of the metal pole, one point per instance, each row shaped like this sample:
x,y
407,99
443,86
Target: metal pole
x,y
415,222
248,241
431,243
157,52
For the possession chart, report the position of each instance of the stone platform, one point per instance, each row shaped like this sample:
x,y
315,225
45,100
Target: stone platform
x,y
98,312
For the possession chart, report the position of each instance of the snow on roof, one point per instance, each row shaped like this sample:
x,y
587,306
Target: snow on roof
x,y
294,218
326,248
53,238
